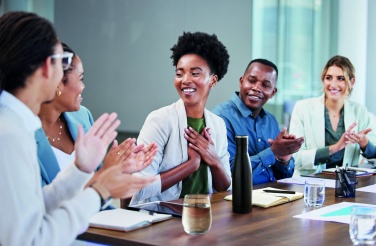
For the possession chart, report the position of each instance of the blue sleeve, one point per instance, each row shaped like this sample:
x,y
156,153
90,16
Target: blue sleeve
x,y
370,151
281,171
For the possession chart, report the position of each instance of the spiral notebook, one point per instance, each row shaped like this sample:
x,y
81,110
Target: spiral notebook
x,y
126,220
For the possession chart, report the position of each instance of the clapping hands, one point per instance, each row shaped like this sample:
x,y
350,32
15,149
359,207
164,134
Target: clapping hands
x,y
134,158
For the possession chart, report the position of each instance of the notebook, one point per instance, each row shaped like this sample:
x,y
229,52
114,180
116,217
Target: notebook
x,y
265,200
125,220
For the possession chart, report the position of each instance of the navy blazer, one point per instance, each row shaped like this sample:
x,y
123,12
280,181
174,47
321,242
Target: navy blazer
x,y
49,166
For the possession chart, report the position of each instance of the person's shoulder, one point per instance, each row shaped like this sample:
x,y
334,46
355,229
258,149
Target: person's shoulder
x,y
356,107
270,115
224,108
10,124
308,103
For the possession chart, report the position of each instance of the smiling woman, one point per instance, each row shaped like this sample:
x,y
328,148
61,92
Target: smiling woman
x,y
336,130
60,119
192,155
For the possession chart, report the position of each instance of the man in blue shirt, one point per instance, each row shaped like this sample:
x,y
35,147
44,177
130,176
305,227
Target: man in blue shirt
x,y
244,115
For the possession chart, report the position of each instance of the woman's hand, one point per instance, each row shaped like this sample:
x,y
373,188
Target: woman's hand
x,y
119,153
121,184
203,144
343,141
134,158
92,146
359,138
140,159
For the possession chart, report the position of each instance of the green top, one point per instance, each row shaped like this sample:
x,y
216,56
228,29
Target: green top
x,y
331,137
197,182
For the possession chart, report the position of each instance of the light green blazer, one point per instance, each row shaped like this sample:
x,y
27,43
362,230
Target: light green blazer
x,y
308,120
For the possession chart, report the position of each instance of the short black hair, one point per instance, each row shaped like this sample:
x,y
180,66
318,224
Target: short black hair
x,y
266,63
26,40
205,45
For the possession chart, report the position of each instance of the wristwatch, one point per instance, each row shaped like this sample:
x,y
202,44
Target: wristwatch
x,y
105,195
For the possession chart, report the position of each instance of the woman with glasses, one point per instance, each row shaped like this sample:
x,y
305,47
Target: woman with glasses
x,y
335,130
60,119
56,213
192,156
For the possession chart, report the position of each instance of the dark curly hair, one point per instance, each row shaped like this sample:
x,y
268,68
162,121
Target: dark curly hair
x,y
205,45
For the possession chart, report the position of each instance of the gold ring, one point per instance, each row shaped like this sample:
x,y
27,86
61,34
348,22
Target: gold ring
x,y
119,153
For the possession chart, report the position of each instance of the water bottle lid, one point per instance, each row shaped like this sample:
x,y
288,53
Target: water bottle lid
x,y
241,140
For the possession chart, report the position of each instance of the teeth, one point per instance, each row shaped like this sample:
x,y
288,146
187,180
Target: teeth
x,y
188,90
254,97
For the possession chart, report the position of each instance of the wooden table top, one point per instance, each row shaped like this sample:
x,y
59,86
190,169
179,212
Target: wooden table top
x,y
270,226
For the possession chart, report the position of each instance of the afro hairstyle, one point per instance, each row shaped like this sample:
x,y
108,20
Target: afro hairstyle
x,y
205,45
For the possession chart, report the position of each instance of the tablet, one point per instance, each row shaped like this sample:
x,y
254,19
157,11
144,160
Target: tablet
x,y
175,209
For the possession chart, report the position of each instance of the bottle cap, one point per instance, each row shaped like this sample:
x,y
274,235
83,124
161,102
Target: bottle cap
x,y
241,140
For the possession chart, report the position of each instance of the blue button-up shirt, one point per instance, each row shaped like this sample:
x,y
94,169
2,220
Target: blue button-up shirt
x,y
239,121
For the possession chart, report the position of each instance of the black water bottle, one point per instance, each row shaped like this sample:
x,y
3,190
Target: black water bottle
x,y
242,178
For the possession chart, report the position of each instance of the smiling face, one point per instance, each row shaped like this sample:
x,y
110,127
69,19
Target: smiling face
x,y
257,86
335,85
70,99
193,81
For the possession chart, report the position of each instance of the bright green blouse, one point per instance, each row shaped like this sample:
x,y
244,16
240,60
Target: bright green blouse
x,y
197,182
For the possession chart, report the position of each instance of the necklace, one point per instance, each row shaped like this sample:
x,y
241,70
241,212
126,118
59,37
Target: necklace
x,y
58,137
334,115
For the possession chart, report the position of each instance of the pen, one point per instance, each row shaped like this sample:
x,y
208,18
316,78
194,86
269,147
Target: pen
x,y
280,191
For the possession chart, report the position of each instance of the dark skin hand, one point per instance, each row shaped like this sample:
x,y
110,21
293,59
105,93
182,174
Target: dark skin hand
x,y
285,145
182,171
204,145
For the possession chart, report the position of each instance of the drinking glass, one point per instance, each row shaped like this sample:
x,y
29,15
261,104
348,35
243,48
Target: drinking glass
x,y
363,225
314,192
197,217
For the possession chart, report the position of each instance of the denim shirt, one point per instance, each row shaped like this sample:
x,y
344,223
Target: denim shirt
x,y
239,121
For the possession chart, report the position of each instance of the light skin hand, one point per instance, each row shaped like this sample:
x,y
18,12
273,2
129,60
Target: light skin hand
x,y
341,144
285,145
92,146
121,184
359,138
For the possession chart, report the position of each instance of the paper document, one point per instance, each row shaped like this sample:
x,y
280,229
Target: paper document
x,y
339,212
370,188
330,183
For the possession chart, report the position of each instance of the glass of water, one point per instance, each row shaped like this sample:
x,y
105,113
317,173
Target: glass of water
x,y
314,192
363,225
197,216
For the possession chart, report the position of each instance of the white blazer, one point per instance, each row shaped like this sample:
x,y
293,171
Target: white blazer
x,y
308,120
165,126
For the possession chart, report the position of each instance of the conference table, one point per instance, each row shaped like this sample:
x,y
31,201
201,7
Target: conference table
x,y
263,226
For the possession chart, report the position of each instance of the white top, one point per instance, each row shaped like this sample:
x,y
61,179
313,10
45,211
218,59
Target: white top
x,y
63,159
30,215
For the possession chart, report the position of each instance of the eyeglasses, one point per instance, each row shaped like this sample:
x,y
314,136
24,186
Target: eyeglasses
x,y
66,59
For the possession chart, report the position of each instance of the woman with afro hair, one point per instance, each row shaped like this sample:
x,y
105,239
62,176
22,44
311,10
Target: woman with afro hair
x,y
192,156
